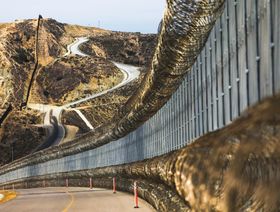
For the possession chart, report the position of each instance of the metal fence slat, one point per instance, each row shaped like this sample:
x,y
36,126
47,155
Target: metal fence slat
x,y
209,87
242,67
233,60
200,95
219,57
275,6
265,53
252,51
196,99
204,91
225,64
214,78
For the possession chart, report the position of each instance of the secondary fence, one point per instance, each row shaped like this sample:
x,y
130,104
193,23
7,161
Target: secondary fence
x,y
238,67
5,114
33,75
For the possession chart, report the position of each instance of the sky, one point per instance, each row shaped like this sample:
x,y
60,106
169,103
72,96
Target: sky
x,y
119,15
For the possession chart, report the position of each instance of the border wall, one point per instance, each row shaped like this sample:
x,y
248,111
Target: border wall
x,y
238,67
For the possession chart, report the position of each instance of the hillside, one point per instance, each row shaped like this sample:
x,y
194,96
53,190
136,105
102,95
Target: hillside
x,y
60,79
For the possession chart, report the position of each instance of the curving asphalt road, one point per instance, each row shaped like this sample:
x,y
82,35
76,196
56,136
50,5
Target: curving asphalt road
x,y
72,199
73,48
130,73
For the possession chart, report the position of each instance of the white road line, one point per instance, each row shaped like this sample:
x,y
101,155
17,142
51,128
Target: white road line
x,y
84,119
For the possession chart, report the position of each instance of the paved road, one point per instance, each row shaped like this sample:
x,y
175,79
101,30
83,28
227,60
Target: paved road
x,y
52,122
73,48
72,199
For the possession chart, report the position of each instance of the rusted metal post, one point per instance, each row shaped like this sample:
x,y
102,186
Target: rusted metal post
x,y
114,185
135,195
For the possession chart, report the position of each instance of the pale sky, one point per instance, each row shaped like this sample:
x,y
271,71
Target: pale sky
x,y
120,15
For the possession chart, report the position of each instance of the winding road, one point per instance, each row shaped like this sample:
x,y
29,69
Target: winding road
x,y
73,48
130,73
72,199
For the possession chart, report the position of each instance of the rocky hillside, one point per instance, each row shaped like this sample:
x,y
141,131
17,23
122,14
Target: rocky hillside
x,y
60,79
129,48
16,60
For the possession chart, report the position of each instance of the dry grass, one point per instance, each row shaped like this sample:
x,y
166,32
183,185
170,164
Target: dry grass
x,y
76,31
8,195
2,26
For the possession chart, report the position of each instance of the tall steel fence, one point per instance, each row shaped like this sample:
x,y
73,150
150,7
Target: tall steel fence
x,y
238,67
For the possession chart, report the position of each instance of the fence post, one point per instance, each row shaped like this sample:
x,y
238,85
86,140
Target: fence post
x,y
66,182
90,182
135,195
114,185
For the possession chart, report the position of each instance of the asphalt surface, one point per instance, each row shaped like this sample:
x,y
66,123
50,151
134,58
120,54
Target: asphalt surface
x,y
73,48
72,199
